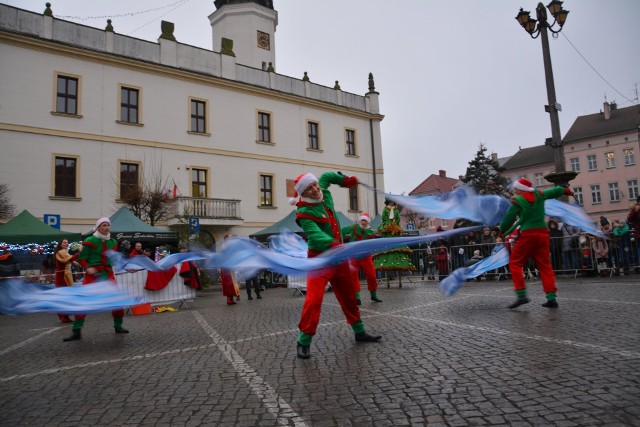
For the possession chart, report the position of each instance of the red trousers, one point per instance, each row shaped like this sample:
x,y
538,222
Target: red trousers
x,y
341,279
532,244
90,278
369,273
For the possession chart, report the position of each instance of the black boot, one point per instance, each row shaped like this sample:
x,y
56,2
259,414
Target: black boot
x,y
551,304
258,296
376,299
358,301
367,337
121,330
519,302
303,351
249,297
75,335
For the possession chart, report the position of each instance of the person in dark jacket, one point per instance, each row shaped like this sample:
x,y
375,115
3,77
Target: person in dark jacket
x,y
8,265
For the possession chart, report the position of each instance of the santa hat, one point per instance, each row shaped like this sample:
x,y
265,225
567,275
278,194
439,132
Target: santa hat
x,y
523,185
364,217
301,183
100,221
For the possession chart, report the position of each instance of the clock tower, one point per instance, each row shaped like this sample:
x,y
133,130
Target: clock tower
x,y
251,25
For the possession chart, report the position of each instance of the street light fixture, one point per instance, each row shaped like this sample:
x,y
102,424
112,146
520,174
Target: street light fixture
x,y
539,28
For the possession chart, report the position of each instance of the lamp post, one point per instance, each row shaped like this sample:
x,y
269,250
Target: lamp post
x,y
540,28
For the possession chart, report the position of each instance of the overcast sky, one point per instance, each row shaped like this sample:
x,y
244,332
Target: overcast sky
x,y
451,75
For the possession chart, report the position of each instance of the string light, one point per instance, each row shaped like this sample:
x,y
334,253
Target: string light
x,y
120,15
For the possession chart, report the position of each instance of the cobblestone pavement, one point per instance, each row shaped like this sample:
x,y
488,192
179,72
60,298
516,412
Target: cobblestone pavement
x,y
464,360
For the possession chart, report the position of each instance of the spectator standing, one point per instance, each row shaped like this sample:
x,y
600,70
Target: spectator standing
x,y
622,238
63,275
601,252
570,246
633,219
189,272
137,250
555,234
9,266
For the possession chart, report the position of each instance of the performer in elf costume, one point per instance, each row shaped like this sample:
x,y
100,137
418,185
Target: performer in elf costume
x,y
534,241
397,259
93,258
354,233
317,217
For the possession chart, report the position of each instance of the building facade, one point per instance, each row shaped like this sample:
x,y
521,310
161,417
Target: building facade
x,y
603,148
89,115
532,163
434,185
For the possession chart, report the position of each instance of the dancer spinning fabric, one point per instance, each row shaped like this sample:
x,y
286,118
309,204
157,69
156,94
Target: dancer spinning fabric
x,y
528,206
316,216
355,233
93,258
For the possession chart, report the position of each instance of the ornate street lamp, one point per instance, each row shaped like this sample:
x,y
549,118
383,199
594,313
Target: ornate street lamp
x,y
541,27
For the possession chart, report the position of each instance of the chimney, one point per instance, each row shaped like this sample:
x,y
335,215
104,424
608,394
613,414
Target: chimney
x,y
607,110
442,173
494,157
460,177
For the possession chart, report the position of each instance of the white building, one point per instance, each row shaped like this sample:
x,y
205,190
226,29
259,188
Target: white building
x,y
87,113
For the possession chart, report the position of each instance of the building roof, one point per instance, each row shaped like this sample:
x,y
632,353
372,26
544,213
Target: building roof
x,y
532,156
435,184
595,125
26,228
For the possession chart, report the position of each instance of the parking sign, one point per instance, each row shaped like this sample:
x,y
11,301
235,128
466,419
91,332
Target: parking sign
x,y
52,220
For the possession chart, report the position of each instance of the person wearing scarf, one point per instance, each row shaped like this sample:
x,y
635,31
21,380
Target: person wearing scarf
x,y
317,217
93,259
534,240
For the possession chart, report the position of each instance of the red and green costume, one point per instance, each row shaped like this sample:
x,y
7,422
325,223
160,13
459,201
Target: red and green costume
x,y
319,222
357,233
94,254
534,241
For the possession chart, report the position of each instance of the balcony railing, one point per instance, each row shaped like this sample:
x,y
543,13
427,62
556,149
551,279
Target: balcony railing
x,y
208,208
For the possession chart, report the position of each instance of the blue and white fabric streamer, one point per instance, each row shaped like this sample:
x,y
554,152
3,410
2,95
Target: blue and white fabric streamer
x,y
18,297
498,258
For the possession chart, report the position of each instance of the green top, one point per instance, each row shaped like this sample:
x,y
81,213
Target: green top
x,y
93,252
356,233
530,214
319,220
620,231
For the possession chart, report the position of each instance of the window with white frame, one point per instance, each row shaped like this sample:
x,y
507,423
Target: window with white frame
x,y
430,223
67,92
266,190
198,116
129,179
65,176
444,223
199,183
575,164
579,196
592,161
632,188
596,197
629,157
264,127
313,130
129,105
350,135
539,179
610,158
614,192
